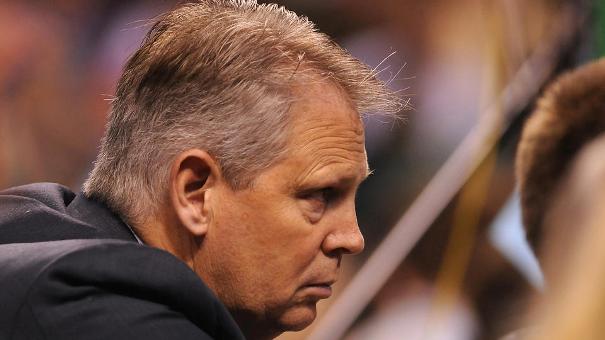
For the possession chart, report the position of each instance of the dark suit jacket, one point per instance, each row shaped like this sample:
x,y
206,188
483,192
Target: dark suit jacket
x,y
71,269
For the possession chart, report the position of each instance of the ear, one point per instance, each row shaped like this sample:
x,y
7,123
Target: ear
x,y
193,175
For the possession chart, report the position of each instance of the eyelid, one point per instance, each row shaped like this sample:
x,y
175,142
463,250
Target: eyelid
x,y
312,193
333,191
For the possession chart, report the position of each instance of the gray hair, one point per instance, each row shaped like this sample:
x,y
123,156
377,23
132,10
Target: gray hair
x,y
216,75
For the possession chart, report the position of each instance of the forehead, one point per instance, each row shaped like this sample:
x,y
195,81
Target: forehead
x,y
323,100
326,131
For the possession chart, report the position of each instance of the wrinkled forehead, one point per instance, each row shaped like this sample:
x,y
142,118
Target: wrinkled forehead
x,y
324,125
316,100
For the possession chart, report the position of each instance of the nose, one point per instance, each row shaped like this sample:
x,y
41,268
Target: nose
x,y
346,238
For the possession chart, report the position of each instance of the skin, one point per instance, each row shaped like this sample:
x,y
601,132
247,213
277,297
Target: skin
x,y
272,251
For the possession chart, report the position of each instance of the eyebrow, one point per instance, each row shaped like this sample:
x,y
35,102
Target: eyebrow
x,y
357,176
352,177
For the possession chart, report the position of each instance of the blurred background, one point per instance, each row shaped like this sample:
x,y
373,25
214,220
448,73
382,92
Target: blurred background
x,y
460,63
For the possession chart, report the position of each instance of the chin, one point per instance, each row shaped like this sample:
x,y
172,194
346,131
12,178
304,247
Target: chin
x,y
273,322
298,317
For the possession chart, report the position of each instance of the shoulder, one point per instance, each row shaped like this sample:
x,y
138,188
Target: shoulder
x,y
38,212
99,289
43,212
51,195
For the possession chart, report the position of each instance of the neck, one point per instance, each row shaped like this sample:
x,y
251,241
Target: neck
x,y
169,237
166,236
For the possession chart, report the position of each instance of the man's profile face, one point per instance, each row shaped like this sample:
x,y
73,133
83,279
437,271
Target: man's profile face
x,y
273,250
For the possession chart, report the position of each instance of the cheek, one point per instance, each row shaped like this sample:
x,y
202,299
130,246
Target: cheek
x,y
274,239
280,239
274,219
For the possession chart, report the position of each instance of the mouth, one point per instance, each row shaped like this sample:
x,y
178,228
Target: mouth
x,y
321,290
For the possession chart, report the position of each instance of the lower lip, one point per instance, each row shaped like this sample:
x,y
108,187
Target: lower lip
x,y
320,291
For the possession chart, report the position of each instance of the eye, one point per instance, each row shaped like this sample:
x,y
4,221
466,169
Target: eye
x,y
316,202
322,195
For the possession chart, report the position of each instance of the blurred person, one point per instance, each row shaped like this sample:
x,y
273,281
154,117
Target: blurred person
x,y
568,116
53,51
222,200
37,75
573,254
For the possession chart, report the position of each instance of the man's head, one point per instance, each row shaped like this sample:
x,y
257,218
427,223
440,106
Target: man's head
x,y
216,75
235,142
569,115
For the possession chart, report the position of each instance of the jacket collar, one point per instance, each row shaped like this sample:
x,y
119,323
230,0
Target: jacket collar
x,y
100,217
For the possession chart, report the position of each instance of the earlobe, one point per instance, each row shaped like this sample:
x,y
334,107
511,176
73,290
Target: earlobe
x,y
193,176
